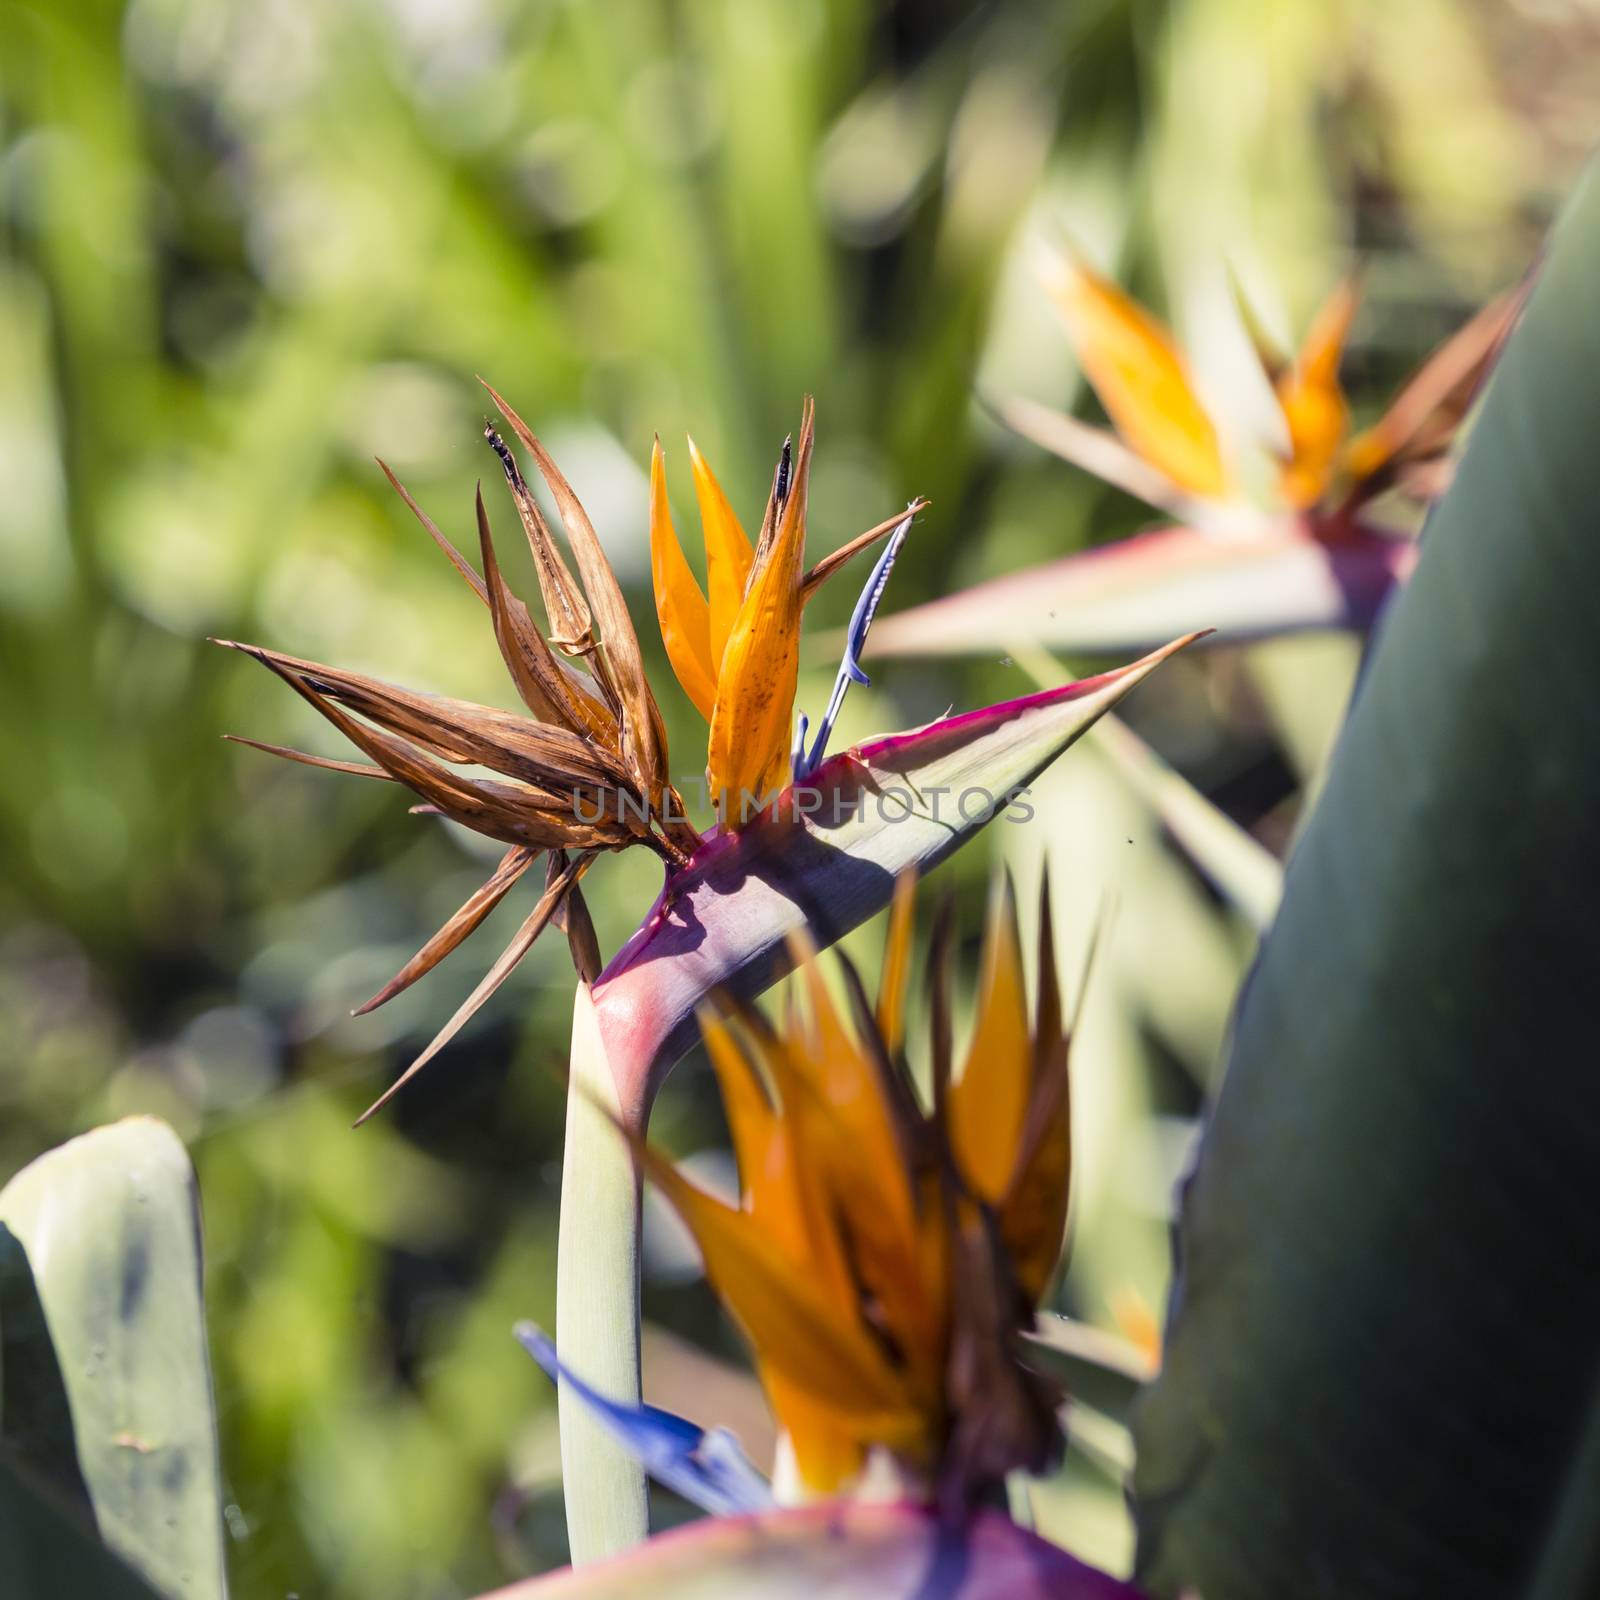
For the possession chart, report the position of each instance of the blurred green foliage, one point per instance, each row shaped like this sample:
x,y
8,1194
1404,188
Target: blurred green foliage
x,y
245,247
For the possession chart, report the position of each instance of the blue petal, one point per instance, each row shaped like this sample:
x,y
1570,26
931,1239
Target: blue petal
x,y
850,667
705,1466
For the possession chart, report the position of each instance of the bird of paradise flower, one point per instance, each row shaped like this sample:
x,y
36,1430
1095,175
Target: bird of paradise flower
x,y
587,772
1322,548
885,1257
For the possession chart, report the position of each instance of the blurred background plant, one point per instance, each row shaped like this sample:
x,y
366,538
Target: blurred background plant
x,y
245,248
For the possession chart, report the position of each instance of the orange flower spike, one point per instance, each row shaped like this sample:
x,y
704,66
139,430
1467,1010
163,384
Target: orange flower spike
x,y
989,1100
1140,376
794,1219
1314,406
681,608
729,555
927,1272
835,1064
750,723
860,1137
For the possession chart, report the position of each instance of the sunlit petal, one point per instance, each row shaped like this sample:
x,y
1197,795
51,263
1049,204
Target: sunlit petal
x,y
1140,377
728,554
681,608
796,1329
989,1099
756,685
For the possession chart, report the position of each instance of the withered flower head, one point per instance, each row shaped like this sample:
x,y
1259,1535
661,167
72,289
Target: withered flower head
x,y
587,770
886,1256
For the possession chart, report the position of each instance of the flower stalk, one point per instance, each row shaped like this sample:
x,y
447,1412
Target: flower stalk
x,y
597,1296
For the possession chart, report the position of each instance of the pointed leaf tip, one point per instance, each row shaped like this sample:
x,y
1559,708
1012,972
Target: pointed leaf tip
x,y
825,856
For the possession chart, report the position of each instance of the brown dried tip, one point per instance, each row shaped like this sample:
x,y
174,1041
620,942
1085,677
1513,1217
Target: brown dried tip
x,y
513,864
644,734
587,773
571,626
521,943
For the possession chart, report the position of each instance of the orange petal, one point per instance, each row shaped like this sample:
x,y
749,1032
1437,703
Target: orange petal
x,y
851,1129
796,1331
1313,404
788,1164
827,1454
1033,1213
728,554
750,722
1101,452
989,1101
752,1117
1140,377
681,609
1033,1210
897,963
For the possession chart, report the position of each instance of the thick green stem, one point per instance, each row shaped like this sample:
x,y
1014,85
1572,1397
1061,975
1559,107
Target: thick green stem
x,y
597,1300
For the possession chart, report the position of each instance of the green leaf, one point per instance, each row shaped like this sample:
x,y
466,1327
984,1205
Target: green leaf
x,y
49,1549
35,1418
1097,1368
1384,1342
1245,872
835,1552
110,1223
